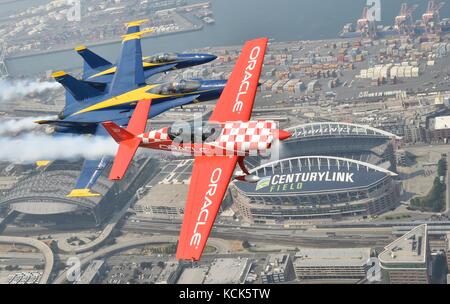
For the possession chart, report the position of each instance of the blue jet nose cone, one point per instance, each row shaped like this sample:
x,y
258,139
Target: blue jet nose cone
x,y
204,58
213,84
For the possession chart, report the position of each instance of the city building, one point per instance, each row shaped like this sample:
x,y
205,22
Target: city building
x,y
228,271
315,187
164,196
163,201
278,268
448,251
407,259
170,274
332,264
193,275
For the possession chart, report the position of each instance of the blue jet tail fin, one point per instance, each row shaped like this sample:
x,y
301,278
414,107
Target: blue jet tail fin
x,y
79,89
135,26
130,72
93,60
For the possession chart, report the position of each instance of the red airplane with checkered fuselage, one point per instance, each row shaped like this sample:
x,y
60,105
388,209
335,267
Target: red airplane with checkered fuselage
x,y
226,139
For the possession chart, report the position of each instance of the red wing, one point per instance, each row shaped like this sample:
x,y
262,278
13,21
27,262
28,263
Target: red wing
x,y
209,182
236,101
124,157
138,120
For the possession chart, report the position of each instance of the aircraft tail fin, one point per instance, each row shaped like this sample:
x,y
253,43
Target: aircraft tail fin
x,y
127,138
130,72
91,59
135,26
79,89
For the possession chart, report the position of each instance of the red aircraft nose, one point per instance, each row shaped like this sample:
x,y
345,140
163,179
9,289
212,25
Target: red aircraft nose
x,y
282,134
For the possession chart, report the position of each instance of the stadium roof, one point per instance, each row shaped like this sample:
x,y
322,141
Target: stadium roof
x,y
46,193
327,129
313,174
323,162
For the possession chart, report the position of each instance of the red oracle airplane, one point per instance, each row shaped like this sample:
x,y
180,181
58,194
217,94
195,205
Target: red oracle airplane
x,y
226,139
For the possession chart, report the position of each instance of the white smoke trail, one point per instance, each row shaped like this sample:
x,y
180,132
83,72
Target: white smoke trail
x,y
11,89
20,124
30,148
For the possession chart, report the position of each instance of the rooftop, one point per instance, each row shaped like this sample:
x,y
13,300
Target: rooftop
x,y
276,263
227,271
409,248
165,195
327,129
314,257
193,275
168,271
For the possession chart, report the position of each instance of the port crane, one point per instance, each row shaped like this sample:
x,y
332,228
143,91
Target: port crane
x,y
431,19
366,25
404,21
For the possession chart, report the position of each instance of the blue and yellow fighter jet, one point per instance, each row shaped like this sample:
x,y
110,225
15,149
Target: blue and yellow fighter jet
x,y
89,103
98,69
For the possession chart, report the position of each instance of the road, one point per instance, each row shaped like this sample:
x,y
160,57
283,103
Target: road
x,y
41,246
116,248
66,247
358,238
21,258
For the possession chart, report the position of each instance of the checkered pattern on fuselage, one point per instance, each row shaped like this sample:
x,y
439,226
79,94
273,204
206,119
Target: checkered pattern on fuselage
x,y
246,138
236,138
156,136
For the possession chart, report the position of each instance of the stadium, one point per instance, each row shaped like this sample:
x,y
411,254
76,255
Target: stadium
x,y
44,192
326,171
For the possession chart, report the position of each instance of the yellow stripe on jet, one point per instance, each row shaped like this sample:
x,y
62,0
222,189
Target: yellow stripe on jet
x,y
59,74
43,163
82,193
136,35
80,48
136,23
127,97
114,69
130,97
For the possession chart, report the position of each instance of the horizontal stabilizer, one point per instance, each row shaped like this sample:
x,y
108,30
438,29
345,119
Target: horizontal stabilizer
x,y
66,124
79,89
119,134
135,26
